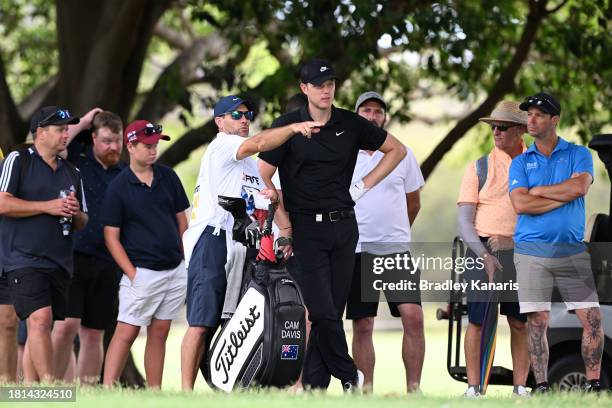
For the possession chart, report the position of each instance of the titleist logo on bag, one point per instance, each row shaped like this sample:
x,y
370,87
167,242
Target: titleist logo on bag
x,y
238,338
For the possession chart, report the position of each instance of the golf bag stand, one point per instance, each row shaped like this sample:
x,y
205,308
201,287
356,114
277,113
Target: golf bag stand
x,y
263,343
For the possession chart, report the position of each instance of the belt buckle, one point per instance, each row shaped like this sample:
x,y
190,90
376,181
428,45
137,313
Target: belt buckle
x,y
318,217
333,214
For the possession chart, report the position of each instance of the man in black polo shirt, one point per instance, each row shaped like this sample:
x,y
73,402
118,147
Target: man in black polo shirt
x,y
95,283
35,251
315,176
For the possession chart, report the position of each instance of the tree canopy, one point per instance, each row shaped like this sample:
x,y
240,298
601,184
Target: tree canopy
x,y
84,54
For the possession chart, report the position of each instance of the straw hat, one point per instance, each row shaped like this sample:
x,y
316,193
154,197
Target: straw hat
x,y
507,111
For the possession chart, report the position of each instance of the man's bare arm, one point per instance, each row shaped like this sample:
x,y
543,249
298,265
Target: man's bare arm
x,y
394,152
413,200
272,138
525,203
117,251
14,207
569,190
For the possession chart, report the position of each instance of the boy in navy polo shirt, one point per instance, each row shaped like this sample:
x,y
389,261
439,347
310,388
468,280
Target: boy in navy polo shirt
x,y
547,186
144,218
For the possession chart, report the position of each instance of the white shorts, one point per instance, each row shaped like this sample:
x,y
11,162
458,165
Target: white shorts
x,y
152,295
571,275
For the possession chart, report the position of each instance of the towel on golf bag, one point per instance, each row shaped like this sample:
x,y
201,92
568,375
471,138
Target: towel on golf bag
x,y
234,270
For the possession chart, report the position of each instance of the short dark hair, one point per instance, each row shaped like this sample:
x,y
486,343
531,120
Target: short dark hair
x,y
107,119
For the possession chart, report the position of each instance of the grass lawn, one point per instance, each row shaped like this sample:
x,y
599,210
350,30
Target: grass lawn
x,y
140,399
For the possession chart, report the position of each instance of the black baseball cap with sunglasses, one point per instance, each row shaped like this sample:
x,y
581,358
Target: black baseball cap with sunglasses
x,y
543,101
52,115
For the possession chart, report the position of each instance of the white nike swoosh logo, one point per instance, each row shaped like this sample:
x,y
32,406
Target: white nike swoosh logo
x,y
339,133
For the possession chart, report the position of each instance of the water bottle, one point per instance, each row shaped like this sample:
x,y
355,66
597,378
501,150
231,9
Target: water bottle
x,y
65,222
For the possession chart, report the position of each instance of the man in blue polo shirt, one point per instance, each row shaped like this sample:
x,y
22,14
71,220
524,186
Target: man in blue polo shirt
x,y
36,249
144,218
95,284
547,186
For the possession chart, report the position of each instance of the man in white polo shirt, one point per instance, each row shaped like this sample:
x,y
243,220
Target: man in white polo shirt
x,y
384,217
227,169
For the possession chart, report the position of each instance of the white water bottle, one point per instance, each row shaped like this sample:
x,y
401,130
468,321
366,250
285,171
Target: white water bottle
x,y
65,222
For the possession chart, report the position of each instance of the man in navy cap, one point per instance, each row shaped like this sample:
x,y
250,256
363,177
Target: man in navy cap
x,y
37,251
227,169
547,186
318,194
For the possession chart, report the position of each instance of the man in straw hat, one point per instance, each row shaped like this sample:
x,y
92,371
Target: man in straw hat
x,y
486,221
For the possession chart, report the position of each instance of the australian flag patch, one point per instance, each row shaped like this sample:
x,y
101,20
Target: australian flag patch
x,y
289,352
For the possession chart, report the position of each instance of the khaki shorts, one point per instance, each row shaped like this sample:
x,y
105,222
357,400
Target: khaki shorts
x,y
152,295
571,275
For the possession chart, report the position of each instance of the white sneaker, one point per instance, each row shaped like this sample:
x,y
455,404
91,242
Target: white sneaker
x,y
520,391
472,392
356,385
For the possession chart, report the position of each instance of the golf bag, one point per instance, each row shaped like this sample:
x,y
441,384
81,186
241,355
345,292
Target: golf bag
x,y
263,343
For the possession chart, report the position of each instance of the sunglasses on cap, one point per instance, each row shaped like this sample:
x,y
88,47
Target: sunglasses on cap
x,y
237,115
147,130
542,100
59,114
502,128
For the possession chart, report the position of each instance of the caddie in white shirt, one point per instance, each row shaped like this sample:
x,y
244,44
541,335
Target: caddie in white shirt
x,y
384,216
227,169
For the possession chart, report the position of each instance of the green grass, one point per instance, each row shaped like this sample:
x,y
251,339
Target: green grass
x,y
277,399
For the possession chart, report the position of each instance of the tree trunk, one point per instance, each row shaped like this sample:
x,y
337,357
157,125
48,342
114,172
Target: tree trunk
x,y
102,46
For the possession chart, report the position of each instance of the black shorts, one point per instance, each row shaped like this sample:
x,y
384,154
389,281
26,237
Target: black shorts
x,y
5,293
358,309
35,288
93,292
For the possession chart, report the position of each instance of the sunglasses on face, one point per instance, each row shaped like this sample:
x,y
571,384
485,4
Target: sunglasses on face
x,y
237,115
59,114
502,128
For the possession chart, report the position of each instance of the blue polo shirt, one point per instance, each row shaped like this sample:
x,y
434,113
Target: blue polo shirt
x,y
147,216
96,179
37,241
559,232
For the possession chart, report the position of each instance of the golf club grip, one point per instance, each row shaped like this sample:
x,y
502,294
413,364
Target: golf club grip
x,y
269,219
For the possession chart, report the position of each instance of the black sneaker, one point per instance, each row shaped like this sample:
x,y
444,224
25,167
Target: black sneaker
x,y
541,388
355,385
593,386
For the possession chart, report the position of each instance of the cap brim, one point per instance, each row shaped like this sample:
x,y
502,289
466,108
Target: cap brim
x,y
149,140
490,121
373,98
244,102
319,80
525,106
73,120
